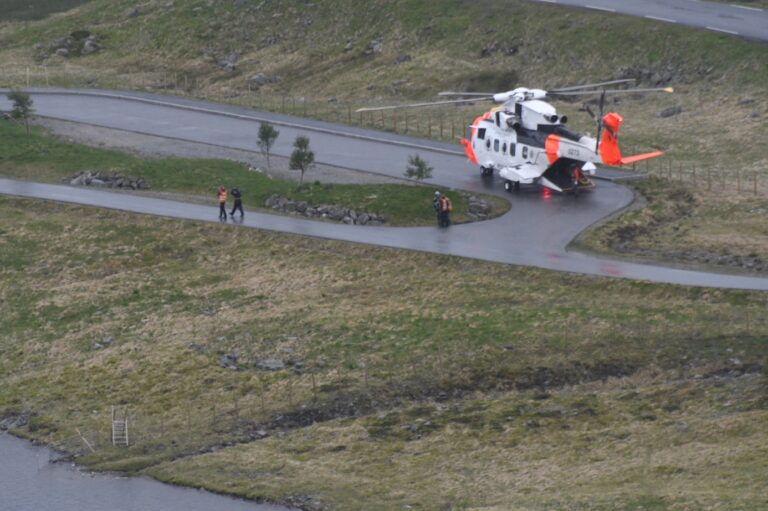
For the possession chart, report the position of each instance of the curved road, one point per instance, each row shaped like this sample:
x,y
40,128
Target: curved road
x,y
737,20
535,232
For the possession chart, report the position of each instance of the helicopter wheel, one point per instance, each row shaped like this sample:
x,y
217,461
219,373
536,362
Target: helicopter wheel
x,y
486,171
508,185
517,186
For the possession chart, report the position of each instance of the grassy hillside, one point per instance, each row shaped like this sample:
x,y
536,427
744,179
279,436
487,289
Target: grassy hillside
x,y
396,378
403,50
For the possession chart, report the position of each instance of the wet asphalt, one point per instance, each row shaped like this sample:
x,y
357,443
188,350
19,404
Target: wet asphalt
x,y
535,232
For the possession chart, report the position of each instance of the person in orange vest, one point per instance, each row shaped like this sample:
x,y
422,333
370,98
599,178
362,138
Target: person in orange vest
x,y
445,210
222,203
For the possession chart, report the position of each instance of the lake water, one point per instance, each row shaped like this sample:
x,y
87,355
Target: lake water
x,y
30,482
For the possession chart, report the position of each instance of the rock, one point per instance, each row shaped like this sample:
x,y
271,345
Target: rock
x,y
228,361
746,101
61,42
374,47
259,80
403,57
669,112
169,5
133,12
198,348
89,47
62,52
15,421
348,46
270,364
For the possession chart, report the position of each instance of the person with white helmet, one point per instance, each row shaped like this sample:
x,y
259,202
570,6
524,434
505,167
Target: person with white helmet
x,y
436,206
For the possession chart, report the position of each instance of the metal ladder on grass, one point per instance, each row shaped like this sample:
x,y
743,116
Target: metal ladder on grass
x,y
119,428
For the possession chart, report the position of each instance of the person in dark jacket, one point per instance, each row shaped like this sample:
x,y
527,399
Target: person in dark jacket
x,y
238,202
436,206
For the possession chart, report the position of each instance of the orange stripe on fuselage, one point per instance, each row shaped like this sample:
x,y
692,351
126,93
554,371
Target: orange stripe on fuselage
x,y
468,150
551,146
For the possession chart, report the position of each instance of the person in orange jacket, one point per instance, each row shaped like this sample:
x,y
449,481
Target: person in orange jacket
x,y
445,210
222,203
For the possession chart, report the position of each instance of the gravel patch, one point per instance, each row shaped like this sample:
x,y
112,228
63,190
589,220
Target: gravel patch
x,y
154,147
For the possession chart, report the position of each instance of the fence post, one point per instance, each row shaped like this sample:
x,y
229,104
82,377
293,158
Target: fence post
x,y
709,179
754,182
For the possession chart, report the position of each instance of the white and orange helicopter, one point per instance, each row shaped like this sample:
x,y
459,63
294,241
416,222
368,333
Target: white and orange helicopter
x,y
526,141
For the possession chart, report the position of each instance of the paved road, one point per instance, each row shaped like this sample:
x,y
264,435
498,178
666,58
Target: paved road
x,y
535,232
737,20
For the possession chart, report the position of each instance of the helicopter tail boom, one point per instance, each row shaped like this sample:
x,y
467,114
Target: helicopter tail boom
x,y
609,150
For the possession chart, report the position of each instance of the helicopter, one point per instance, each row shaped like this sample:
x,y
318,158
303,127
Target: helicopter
x,y
525,141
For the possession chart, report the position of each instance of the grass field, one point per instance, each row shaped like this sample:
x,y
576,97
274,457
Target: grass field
x,y
408,378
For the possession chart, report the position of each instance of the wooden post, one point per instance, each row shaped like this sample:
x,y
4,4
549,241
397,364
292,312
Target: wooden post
x,y
453,130
754,182
693,170
441,127
361,119
349,114
382,119
738,180
429,127
709,179
394,121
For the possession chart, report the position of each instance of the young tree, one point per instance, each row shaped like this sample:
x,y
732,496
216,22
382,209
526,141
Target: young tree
x,y
22,107
302,158
267,136
417,168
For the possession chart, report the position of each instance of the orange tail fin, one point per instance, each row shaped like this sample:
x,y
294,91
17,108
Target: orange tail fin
x,y
609,145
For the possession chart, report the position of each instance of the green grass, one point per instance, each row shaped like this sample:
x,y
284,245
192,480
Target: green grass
x,y
457,386
40,157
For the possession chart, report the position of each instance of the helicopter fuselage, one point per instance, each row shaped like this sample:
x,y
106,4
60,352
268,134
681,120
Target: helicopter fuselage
x,y
527,142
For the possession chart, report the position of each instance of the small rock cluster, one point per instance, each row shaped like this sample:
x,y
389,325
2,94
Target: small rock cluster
x,y
78,43
477,209
107,180
337,213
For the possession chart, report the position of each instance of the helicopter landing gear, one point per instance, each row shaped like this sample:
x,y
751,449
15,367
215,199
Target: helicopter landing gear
x,y
512,185
486,171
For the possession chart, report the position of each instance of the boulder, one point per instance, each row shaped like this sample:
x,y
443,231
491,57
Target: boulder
x,y
259,80
669,112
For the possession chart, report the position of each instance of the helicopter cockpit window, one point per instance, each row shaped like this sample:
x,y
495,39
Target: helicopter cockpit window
x,y
511,149
481,133
496,145
525,151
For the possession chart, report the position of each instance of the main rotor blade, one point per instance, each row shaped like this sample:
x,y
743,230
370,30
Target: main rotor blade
x,y
609,91
588,85
490,94
419,105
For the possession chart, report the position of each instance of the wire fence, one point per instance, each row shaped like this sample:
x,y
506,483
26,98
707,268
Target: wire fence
x,y
441,124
